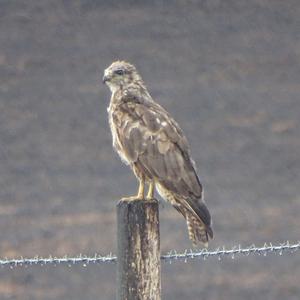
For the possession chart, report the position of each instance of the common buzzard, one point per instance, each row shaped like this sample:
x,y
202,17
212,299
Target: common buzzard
x,y
150,141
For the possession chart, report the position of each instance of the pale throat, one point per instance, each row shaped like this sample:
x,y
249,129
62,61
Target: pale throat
x,y
113,87
114,99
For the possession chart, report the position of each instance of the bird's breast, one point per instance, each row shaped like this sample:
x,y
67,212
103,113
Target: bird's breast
x,y
115,139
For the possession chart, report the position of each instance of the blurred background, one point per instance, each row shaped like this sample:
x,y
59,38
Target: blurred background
x,y
228,71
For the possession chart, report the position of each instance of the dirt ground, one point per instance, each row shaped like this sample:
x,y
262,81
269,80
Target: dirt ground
x,y
228,71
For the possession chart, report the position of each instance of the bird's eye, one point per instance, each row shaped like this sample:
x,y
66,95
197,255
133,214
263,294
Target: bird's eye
x,y
119,72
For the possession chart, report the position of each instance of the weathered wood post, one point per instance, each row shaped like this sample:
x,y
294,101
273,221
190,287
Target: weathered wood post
x,y
138,250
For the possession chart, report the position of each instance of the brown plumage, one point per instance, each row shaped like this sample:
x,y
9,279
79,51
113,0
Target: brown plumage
x,y
149,140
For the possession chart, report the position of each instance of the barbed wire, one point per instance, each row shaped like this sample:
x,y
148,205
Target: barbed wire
x,y
172,255
233,252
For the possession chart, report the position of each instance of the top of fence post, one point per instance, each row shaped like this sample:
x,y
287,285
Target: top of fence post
x,y
138,250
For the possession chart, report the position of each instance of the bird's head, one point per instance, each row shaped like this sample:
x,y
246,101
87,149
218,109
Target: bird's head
x,y
120,74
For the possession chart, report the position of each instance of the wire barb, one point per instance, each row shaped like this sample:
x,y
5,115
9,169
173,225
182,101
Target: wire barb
x,y
172,255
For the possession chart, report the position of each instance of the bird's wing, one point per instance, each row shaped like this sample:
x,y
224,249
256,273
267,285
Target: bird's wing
x,y
152,140
149,135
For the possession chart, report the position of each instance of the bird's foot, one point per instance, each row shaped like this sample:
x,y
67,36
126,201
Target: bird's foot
x,y
133,198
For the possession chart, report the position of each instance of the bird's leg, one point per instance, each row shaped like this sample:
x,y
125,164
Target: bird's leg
x,y
150,190
141,191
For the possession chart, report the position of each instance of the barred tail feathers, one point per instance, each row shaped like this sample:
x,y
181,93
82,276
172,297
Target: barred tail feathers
x,y
197,230
194,211
198,221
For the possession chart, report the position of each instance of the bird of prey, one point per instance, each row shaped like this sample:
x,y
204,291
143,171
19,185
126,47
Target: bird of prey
x,y
151,142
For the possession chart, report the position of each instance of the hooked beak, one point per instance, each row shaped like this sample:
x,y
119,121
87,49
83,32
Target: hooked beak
x,y
105,78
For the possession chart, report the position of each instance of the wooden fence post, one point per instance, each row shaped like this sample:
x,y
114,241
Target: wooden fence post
x,y
138,274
